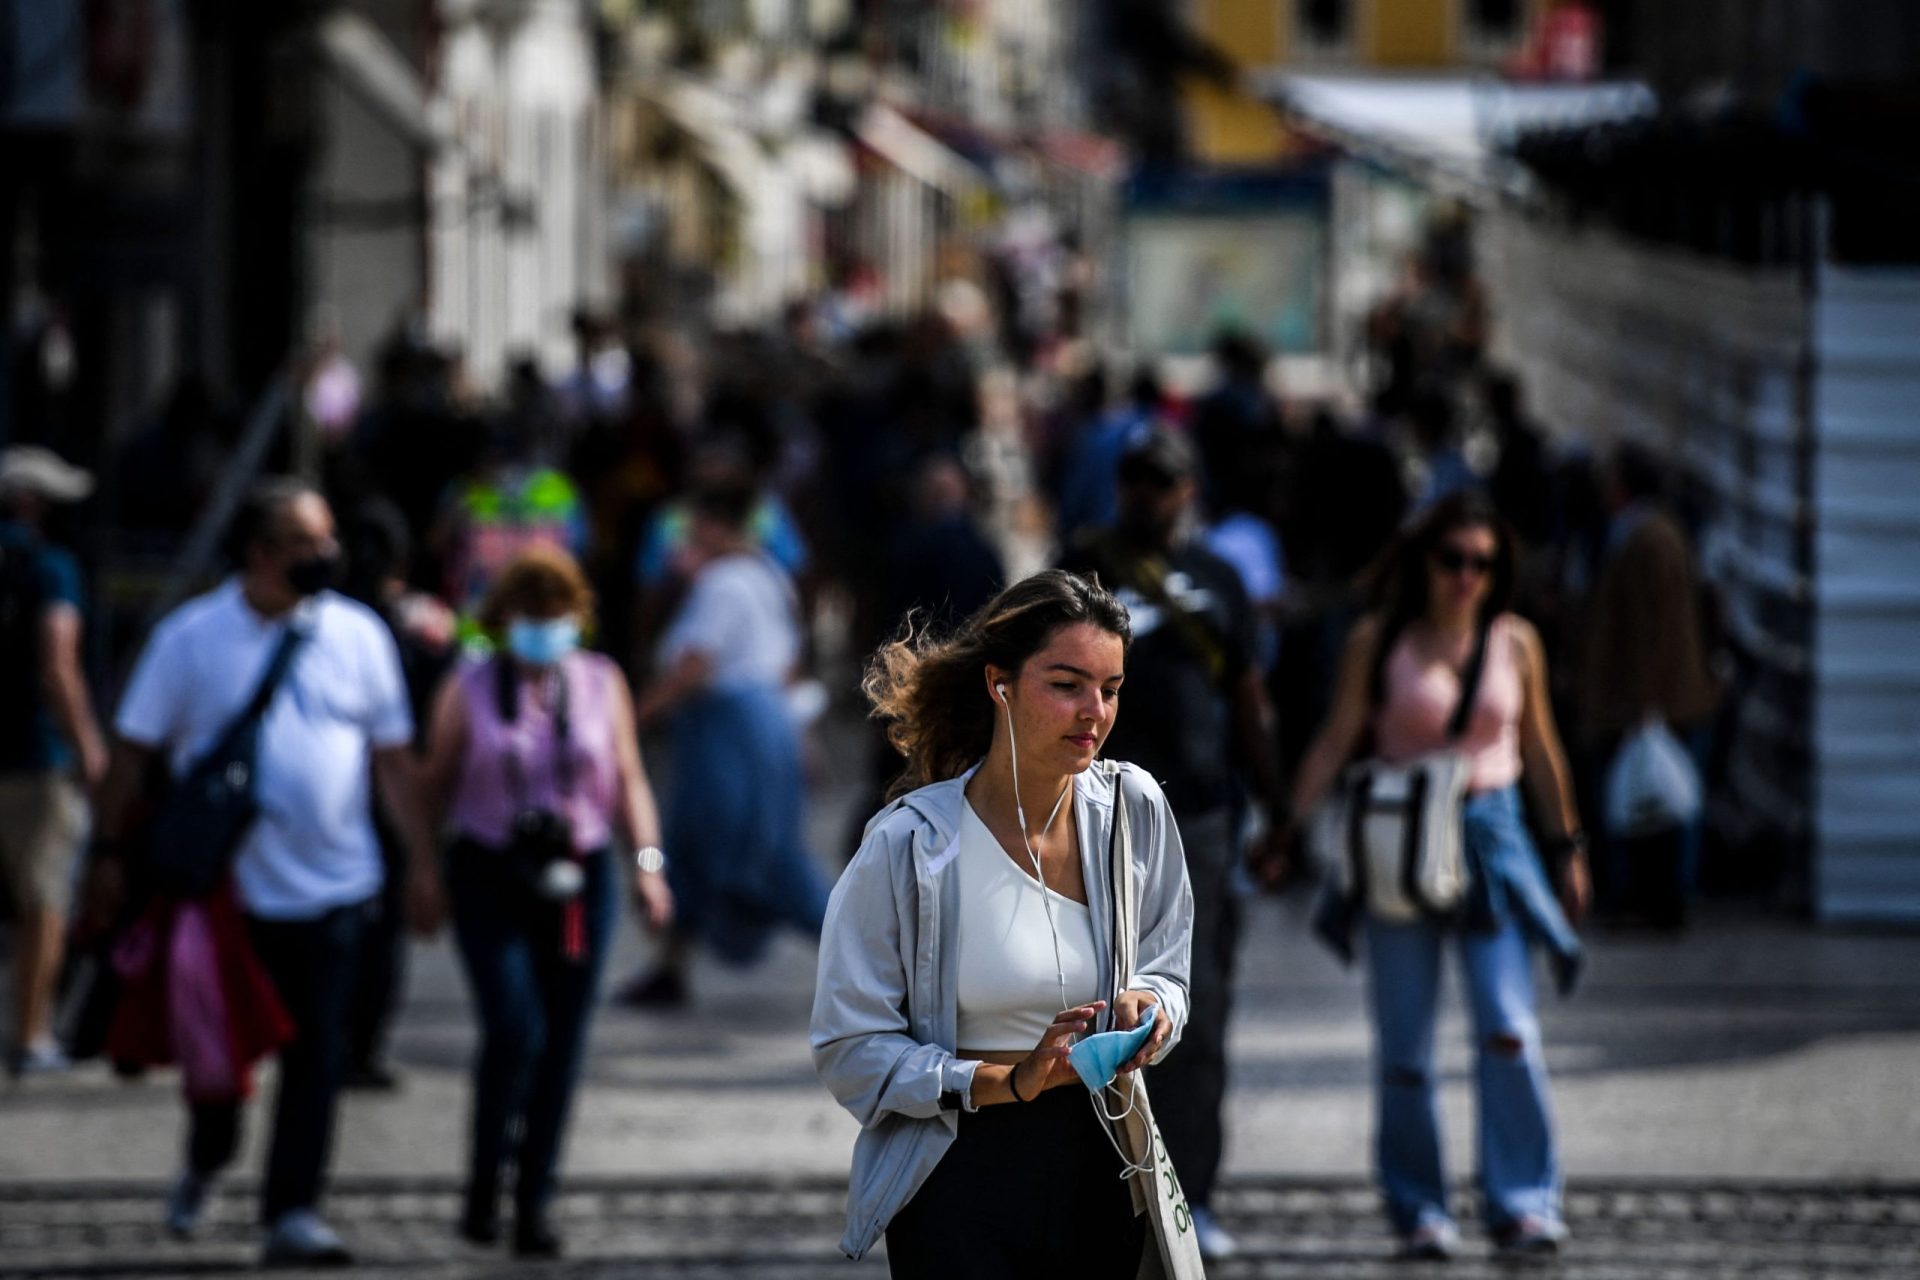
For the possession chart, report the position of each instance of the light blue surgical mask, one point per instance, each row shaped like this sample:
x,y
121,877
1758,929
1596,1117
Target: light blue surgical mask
x,y
542,642
1098,1058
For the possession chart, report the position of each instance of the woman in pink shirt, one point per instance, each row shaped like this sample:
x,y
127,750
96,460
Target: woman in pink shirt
x,y
537,749
1444,587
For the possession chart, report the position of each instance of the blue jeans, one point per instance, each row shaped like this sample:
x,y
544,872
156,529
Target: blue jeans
x,y
1519,1170
736,822
535,1006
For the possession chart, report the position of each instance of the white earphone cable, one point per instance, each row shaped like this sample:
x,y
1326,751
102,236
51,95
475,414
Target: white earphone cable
x,y
1039,873
1128,1168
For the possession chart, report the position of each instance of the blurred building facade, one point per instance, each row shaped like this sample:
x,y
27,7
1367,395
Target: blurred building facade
x,y
207,190
765,152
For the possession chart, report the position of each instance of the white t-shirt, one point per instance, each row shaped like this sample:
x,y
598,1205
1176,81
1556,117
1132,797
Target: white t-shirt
x,y
740,613
313,847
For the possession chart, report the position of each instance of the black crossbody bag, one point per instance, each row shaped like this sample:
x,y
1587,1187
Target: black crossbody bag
x,y
209,811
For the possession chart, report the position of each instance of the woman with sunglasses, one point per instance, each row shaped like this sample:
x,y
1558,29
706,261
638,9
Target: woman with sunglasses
x,y
1442,594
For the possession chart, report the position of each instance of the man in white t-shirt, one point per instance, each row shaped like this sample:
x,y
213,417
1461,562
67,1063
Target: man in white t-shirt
x,y
307,872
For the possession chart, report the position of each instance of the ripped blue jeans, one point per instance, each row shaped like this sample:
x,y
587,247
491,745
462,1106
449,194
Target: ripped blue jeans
x,y
1519,1164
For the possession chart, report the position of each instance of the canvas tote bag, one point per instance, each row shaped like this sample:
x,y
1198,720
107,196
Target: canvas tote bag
x,y
1175,1253
1394,831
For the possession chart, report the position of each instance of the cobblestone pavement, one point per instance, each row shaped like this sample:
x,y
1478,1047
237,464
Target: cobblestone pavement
x,y
1738,1102
689,1227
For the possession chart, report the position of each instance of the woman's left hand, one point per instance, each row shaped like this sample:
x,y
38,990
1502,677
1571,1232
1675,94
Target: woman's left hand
x,y
1126,1016
653,899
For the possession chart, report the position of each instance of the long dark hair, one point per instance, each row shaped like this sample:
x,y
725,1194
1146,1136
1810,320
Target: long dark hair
x,y
929,690
1398,581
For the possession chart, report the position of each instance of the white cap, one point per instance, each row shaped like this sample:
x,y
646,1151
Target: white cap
x,y
32,469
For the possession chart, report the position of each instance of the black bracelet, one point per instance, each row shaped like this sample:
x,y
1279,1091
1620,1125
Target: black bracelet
x,y
1013,1082
1564,849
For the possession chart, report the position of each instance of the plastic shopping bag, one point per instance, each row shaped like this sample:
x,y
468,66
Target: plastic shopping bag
x,y
1652,785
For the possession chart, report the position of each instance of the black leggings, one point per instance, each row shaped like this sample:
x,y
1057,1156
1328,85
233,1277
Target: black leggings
x,y
1027,1189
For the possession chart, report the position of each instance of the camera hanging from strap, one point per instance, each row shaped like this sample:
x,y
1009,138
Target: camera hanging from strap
x,y
541,842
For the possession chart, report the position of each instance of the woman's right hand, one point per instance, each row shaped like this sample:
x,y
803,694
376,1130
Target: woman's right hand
x,y
1047,1065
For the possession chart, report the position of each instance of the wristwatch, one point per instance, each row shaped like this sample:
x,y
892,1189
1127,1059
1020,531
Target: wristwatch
x,y
648,860
958,1095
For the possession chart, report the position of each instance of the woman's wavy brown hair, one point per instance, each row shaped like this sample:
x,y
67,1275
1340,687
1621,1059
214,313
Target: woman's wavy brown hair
x,y
929,691
541,582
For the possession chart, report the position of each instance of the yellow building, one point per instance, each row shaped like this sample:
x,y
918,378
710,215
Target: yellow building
x,y
1268,36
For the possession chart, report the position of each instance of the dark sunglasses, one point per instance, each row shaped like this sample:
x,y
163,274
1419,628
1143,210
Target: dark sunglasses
x,y
1454,560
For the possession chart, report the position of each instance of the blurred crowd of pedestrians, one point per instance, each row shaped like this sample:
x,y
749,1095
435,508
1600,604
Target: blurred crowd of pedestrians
x,y
699,511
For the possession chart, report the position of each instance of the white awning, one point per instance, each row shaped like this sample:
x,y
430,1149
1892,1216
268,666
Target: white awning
x,y
1449,130
917,153
369,65
813,158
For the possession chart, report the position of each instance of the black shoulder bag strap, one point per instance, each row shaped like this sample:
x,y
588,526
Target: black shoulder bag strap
x,y
277,667
1470,684
1456,729
1151,582
506,692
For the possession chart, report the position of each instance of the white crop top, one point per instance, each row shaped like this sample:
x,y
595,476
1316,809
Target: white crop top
x,y
1009,989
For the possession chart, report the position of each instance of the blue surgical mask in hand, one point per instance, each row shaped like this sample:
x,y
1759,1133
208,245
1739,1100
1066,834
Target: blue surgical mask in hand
x,y
542,643
1099,1058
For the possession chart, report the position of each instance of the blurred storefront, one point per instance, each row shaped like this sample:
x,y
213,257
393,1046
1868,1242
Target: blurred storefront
x,y
1725,281
516,227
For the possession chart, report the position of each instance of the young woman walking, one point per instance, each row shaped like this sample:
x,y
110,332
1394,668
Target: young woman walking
x,y
1443,598
970,941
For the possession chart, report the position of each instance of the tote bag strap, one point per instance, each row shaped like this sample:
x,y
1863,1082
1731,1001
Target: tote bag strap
x,y
1120,878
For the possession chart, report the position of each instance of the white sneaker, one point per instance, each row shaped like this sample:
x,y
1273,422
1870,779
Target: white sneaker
x,y
42,1059
1215,1241
302,1238
1532,1237
1431,1241
187,1204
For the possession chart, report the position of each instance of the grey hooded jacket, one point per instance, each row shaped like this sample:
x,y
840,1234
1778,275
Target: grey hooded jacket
x,y
886,1001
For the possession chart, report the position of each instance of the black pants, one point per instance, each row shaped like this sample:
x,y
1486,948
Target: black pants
x,y
535,1008
1190,1084
382,972
311,963
1027,1189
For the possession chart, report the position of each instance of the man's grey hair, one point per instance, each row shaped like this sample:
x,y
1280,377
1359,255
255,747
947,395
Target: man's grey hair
x,y
260,511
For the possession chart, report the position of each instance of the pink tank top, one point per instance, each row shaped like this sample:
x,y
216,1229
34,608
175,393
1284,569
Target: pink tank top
x,y
487,797
1420,700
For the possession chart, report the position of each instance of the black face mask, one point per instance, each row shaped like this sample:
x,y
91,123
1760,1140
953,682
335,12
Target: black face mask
x,y
314,574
